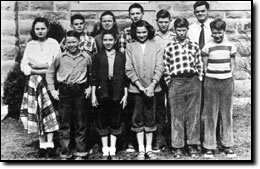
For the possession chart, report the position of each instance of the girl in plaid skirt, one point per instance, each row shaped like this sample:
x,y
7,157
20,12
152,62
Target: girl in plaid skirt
x,y
37,112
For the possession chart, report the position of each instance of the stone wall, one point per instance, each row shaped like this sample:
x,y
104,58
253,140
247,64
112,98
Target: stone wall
x,y
17,18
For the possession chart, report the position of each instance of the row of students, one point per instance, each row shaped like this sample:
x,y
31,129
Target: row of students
x,y
144,67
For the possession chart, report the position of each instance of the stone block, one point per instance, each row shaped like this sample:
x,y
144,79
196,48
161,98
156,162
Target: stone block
x,y
62,6
9,52
242,88
179,14
7,5
87,15
236,14
23,5
217,14
165,6
241,75
6,66
8,27
7,15
8,40
25,27
42,5
121,15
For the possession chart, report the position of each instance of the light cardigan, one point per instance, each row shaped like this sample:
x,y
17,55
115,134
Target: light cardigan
x,y
35,54
144,66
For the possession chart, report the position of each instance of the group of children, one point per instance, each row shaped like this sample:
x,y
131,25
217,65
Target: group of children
x,y
139,66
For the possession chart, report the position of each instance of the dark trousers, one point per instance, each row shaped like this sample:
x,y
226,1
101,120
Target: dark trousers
x,y
73,111
109,117
185,97
218,103
144,113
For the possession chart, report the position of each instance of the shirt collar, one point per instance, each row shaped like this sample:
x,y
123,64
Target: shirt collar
x,y
66,53
206,24
186,41
159,33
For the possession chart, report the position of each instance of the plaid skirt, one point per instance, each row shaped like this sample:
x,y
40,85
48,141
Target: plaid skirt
x,y
37,112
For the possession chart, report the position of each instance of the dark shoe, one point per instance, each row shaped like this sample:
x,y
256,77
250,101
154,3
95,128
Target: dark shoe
x,y
41,153
209,154
158,148
130,148
178,153
51,153
229,152
193,152
151,155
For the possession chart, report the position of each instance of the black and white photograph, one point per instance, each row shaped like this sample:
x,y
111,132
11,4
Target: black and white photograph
x,y
127,81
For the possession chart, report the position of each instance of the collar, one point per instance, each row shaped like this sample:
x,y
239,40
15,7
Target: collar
x,y
186,41
169,33
66,53
206,24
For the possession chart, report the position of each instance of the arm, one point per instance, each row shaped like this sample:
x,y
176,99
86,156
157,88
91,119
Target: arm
x,y
166,60
51,73
124,99
25,67
232,64
205,61
199,64
93,97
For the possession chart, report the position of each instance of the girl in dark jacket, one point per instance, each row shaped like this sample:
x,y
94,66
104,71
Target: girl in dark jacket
x,y
109,92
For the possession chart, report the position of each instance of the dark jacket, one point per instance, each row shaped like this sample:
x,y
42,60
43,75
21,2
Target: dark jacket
x,y
99,75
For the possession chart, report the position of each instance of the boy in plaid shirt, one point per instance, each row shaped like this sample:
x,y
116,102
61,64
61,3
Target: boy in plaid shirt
x,y
183,75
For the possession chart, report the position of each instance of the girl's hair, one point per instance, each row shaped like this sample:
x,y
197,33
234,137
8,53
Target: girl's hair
x,y
110,32
141,23
98,27
73,33
42,20
218,24
181,22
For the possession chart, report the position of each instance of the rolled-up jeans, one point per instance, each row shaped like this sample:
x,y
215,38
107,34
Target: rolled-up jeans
x,y
185,98
72,110
218,103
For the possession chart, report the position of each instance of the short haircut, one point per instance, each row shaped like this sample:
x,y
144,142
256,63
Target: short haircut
x,y
136,5
42,20
200,3
163,14
76,16
218,24
73,33
141,23
111,32
181,22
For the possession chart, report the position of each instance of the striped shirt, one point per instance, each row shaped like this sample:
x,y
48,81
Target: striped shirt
x,y
219,56
181,59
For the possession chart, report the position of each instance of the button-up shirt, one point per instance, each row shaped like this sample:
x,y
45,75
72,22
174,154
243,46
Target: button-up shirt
x,y
69,69
124,38
195,29
180,58
87,44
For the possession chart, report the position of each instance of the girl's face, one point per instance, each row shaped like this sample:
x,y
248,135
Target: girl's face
x,y
108,42
107,22
72,44
142,34
41,30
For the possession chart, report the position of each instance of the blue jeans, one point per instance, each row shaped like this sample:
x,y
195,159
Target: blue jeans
x,y
73,114
218,103
185,98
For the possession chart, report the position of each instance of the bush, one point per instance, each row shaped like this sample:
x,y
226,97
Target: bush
x,y
56,31
13,91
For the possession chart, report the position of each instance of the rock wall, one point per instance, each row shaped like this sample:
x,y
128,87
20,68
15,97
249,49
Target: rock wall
x,y
17,18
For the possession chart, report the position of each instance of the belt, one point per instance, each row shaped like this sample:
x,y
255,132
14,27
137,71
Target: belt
x,y
185,75
71,85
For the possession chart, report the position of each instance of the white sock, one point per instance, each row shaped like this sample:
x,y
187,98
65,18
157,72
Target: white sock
x,y
43,145
148,148
49,145
141,148
112,151
105,151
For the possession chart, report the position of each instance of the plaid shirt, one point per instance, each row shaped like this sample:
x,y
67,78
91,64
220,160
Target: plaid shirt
x,y
87,43
182,58
124,38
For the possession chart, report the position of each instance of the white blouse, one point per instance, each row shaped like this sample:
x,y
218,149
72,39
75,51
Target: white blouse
x,y
39,54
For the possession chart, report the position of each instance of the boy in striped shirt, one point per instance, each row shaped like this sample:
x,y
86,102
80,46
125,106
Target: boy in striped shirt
x,y
219,62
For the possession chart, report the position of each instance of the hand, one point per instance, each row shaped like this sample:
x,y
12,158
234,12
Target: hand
x,y
124,101
55,94
94,101
149,91
88,92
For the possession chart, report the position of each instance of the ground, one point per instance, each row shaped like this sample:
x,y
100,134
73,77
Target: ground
x,y
15,141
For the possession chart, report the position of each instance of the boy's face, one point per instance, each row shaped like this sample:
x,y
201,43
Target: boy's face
x,y
136,14
142,34
163,24
218,35
72,44
108,41
181,33
78,25
201,13
107,22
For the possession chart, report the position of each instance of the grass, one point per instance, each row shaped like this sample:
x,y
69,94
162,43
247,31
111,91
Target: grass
x,y
15,140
